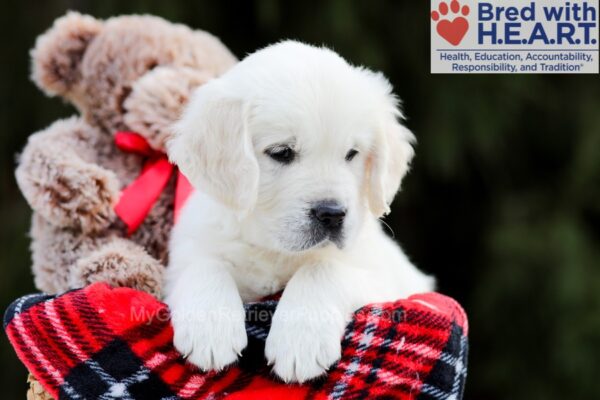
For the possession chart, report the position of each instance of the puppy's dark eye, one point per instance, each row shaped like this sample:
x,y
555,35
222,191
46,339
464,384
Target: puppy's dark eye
x,y
351,154
282,154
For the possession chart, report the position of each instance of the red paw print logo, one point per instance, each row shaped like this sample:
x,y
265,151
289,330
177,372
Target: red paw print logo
x,y
452,30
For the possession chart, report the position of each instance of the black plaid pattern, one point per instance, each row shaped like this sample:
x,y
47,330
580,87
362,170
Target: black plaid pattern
x,y
446,380
258,324
414,348
258,319
114,373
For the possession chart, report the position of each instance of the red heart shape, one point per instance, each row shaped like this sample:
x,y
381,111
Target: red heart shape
x,y
453,31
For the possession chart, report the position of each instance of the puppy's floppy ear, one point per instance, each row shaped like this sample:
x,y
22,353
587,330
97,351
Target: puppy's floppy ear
x,y
212,147
389,162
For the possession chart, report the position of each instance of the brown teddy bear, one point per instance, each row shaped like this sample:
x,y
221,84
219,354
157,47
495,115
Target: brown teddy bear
x,y
129,73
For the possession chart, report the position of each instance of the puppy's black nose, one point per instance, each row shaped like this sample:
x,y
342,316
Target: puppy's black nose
x,y
329,214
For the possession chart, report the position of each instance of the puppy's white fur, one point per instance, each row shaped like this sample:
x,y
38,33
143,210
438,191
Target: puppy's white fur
x,y
246,232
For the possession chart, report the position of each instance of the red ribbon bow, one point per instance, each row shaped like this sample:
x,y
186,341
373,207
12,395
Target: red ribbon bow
x,y
137,199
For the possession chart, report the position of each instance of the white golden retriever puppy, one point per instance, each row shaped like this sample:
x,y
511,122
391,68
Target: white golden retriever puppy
x,y
295,154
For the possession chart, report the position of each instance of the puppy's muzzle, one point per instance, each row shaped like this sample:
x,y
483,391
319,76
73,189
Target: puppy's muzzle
x,y
329,215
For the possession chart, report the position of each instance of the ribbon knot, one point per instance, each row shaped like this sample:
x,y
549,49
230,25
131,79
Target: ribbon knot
x,y
137,199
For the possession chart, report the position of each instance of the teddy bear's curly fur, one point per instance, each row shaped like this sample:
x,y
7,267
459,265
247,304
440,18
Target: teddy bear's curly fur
x,y
129,73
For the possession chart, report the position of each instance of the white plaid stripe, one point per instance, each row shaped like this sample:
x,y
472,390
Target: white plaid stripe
x,y
69,390
365,339
461,368
257,332
117,389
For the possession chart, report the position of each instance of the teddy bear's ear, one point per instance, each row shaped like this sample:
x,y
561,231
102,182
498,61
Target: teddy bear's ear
x,y
56,57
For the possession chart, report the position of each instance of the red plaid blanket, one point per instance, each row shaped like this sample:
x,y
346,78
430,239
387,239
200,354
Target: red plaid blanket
x,y
106,343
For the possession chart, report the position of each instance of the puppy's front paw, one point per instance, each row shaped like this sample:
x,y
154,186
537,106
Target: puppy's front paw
x,y
303,345
212,339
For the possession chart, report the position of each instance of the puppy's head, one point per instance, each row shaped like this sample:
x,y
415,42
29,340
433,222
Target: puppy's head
x,y
302,144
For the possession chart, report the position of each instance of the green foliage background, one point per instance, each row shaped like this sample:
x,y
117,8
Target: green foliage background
x,y
502,205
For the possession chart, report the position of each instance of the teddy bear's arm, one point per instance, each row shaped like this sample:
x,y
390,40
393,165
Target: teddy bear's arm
x,y
61,180
120,262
